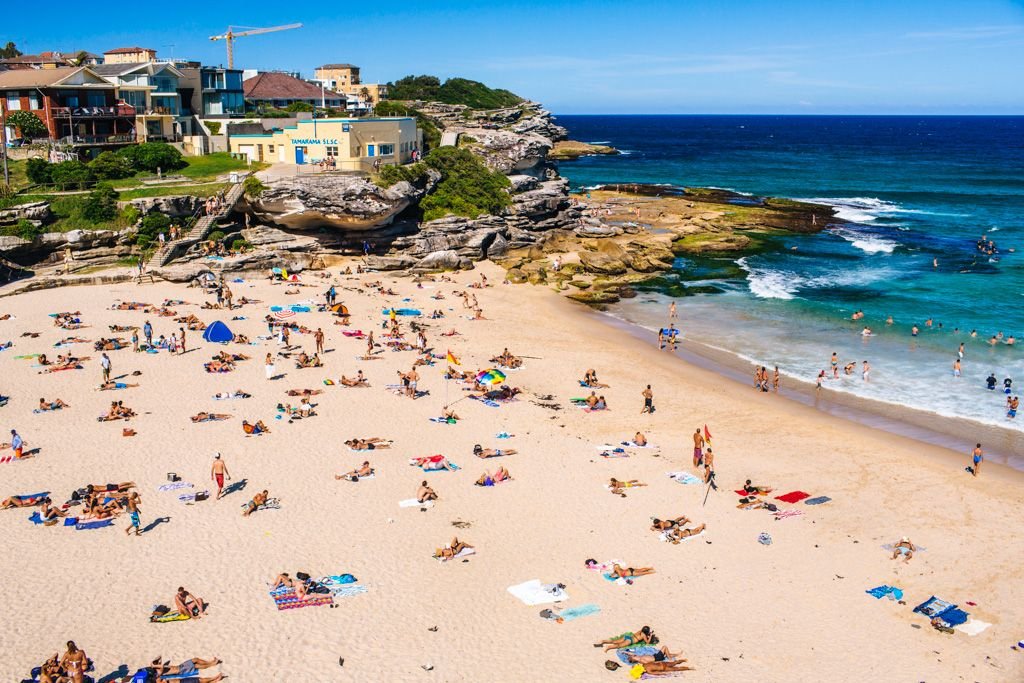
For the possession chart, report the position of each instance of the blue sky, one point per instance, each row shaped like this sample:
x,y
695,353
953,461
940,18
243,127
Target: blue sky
x,y
686,56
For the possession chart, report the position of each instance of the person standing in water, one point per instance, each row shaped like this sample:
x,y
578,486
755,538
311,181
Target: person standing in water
x,y
865,371
775,380
835,365
956,367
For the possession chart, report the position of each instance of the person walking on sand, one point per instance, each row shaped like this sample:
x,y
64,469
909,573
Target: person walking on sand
x,y
648,400
318,337
218,472
268,366
133,514
147,332
105,365
182,330
672,315
135,340
698,445
977,456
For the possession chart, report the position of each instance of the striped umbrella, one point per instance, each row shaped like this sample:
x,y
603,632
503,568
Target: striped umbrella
x,y
491,376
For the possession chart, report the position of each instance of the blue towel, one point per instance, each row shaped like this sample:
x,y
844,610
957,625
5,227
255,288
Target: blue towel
x,y
97,524
453,465
880,592
570,613
637,651
35,518
817,501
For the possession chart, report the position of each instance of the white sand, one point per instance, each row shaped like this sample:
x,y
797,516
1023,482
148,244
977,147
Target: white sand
x,y
793,611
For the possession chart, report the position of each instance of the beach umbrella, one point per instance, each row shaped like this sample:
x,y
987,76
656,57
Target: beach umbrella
x,y
491,376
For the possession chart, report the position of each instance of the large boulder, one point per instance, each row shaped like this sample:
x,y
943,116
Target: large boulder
x,y
37,212
509,152
174,206
602,263
336,201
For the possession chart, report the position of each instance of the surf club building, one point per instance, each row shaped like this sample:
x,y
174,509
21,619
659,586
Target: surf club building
x,y
343,144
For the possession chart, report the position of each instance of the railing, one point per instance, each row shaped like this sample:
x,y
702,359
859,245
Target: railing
x,y
98,139
120,111
163,138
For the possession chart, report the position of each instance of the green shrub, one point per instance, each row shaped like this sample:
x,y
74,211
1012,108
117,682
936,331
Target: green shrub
x,y
467,139
252,186
110,166
216,235
149,156
299,106
389,175
152,225
71,175
101,204
30,125
213,127
39,171
27,230
454,91
130,214
240,245
467,187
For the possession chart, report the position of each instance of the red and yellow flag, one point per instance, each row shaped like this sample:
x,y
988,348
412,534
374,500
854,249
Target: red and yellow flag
x,y
452,359
707,435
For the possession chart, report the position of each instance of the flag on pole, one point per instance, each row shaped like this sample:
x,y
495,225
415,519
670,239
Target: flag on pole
x,y
707,436
452,359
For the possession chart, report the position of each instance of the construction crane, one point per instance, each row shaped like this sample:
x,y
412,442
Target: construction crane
x,y
231,34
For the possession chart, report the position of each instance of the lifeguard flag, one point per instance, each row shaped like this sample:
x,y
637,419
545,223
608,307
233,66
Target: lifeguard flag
x,y
707,435
452,359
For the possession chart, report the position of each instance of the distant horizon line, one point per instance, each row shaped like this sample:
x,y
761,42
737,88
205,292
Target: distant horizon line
x,y
1020,115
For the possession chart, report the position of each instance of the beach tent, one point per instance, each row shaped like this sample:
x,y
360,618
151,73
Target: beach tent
x,y
218,333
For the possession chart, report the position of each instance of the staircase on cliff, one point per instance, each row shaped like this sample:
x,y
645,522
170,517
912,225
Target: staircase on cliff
x,y
203,226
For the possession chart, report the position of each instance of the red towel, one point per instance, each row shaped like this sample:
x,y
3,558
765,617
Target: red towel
x,y
793,497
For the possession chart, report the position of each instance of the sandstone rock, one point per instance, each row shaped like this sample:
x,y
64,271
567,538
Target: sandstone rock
x,y
593,297
176,206
598,231
598,262
516,276
38,212
441,260
390,262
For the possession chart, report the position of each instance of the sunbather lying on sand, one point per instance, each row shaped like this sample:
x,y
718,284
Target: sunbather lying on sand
x,y
620,572
480,452
187,670
425,493
904,548
451,550
118,411
749,489
209,417
56,404
663,654
679,533
253,505
21,502
215,366
110,344
628,639
373,443
663,668
590,380
285,581
358,381
617,487
255,429
500,475
110,386
305,392
237,393
429,463
123,306
123,487
665,525
363,470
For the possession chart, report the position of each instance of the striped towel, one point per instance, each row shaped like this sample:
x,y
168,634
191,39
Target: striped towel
x,y
783,514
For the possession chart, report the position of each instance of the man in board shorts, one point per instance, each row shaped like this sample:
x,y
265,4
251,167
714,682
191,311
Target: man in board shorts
x,y
217,472
698,445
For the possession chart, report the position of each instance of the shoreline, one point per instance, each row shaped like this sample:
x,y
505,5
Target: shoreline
x,y
1002,446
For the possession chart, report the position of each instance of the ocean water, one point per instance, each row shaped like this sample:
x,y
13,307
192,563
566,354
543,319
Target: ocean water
x,y
916,191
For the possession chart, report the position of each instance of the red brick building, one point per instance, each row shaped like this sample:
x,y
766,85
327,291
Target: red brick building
x,y
78,107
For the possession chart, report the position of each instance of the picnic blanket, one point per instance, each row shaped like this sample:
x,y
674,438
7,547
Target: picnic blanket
x,y
533,592
949,613
885,591
793,497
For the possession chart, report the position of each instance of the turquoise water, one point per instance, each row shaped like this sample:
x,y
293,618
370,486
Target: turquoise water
x,y
916,192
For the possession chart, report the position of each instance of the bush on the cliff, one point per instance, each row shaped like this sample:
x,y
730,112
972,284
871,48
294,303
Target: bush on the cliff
x,y
152,225
71,175
454,91
389,175
431,133
253,186
150,156
467,188
39,171
25,229
101,204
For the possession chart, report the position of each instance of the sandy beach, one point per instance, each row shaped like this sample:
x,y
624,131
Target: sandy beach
x,y
794,610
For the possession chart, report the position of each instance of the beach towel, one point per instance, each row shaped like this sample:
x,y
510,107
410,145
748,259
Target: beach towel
x,y
973,627
784,514
486,401
664,536
684,478
891,592
465,552
413,503
174,486
346,591
289,600
96,524
618,580
503,435
442,420
636,651
570,613
533,592
170,616
817,501
793,497
950,615
618,453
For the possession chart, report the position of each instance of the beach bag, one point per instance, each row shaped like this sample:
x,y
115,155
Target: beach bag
x,y
302,576
764,538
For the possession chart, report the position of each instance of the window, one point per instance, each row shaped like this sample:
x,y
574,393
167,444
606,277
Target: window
x,y
13,101
270,148
96,99
386,150
71,100
332,150
33,100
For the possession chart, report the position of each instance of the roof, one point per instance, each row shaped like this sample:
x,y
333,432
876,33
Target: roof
x,y
38,78
119,69
128,50
67,54
278,86
338,66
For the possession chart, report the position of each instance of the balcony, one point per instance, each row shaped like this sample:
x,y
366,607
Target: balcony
x,y
120,111
80,140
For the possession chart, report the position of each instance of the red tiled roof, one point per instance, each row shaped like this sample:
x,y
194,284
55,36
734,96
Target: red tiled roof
x,y
277,86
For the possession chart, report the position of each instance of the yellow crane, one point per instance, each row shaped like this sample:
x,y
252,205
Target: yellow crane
x,y
231,34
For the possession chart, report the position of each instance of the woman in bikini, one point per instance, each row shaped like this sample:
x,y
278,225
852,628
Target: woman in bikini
x,y
451,550
481,452
619,572
667,524
628,639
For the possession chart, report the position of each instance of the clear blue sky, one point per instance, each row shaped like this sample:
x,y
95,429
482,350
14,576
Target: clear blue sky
x,y
686,56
